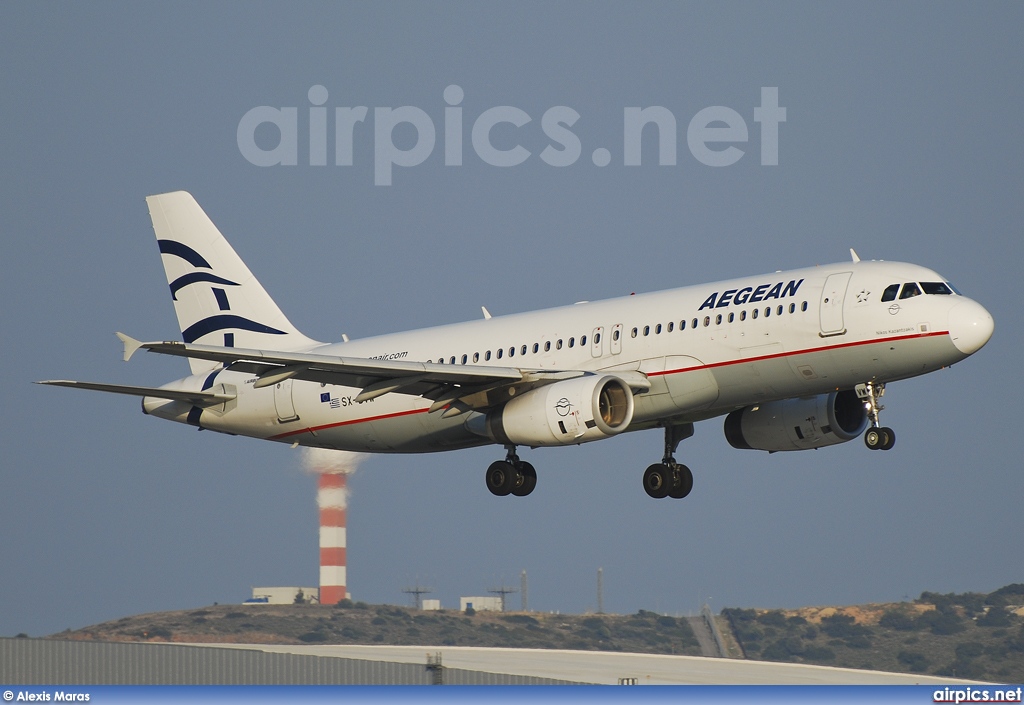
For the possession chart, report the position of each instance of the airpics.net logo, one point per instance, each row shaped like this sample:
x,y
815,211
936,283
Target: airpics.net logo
x,y
712,134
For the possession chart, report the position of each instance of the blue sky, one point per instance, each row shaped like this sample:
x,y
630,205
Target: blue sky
x,y
900,140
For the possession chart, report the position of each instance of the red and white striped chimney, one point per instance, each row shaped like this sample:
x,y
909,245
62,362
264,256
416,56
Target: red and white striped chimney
x,y
332,500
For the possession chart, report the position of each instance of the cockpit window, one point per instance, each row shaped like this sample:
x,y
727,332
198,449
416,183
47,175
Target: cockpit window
x,y
909,291
936,288
890,292
953,289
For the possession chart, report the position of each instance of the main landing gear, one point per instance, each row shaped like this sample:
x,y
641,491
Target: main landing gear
x,y
669,478
511,475
877,437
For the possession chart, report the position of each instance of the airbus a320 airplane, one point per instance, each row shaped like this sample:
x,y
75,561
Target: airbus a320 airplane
x,y
793,360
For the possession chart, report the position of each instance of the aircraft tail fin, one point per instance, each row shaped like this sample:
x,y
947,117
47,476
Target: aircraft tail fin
x,y
217,299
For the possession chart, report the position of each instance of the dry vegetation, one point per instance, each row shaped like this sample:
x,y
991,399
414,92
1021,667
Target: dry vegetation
x,y
360,623
970,635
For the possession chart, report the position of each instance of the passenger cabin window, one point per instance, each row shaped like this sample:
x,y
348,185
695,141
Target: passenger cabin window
x,y
936,288
500,352
572,342
547,346
522,350
536,347
910,291
890,292
487,355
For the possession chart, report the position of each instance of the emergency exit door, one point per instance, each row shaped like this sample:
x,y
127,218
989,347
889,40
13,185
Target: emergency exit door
x,y
831,306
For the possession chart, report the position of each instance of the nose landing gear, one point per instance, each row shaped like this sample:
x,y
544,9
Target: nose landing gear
x,y
877,437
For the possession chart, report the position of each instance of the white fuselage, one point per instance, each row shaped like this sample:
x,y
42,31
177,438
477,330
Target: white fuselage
x,y
706,350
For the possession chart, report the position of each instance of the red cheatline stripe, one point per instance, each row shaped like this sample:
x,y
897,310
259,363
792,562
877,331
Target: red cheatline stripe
x,y
332,556
708,366
332,516
348,423
806,351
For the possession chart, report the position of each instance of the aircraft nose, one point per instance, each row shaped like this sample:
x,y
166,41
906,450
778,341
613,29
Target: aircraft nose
x,y
970,326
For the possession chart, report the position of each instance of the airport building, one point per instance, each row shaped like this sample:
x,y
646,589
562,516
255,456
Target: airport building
x,y
57,662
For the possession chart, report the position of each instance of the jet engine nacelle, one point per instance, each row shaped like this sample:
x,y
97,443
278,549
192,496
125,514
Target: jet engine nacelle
x,y
798,424
576,410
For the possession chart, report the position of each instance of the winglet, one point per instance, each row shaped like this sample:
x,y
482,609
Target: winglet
x,y
853,254
487,314
130,345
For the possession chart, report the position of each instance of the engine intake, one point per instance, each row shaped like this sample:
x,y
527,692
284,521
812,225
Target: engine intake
x,y
572,411
798,424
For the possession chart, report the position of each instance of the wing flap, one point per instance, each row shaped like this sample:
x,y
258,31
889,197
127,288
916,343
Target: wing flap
x,y
465,387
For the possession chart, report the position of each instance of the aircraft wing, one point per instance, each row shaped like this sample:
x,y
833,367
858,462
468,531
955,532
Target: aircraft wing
x,y
458,387
196,398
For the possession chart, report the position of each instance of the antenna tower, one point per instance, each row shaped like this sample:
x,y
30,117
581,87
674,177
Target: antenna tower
x,y
503,590
416,592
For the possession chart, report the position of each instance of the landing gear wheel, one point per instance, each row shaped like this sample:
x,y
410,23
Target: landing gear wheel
x,y
657,480
890,438
683,482
501,477
526,479
875,438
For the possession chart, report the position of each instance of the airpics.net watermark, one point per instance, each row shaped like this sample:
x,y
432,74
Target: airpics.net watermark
x,y
711,135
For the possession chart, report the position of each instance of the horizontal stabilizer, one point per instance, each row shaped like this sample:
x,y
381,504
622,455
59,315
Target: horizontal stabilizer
x,y
130,345
196,398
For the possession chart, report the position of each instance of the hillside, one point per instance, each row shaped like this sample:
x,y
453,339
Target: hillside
x,y
970,635
359,623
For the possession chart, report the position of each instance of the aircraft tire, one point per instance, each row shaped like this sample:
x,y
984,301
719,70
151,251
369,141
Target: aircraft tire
x,y
528,474
890,439
683,484
658,480
874,438
500,478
